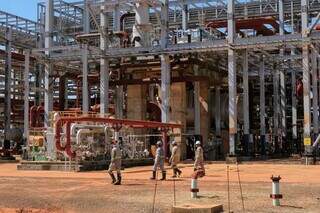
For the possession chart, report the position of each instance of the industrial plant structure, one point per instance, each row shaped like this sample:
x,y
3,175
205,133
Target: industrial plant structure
x,y
241,76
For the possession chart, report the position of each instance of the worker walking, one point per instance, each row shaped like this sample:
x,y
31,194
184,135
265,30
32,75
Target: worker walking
x,y
199,161
159,162
115,164
174,160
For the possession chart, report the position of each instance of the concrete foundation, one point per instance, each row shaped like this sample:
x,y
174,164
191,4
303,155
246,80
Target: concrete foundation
x,y
178,112
192,208
136,102
79,167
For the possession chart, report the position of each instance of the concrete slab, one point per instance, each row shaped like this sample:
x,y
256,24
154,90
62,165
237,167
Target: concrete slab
x,y
195,208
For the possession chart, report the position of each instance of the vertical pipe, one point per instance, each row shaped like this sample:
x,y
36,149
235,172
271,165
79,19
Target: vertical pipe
x,y
165,88
232,80
196,96
315,117
26,95
246,121
306,80
104,65
262,107
7,77
48,94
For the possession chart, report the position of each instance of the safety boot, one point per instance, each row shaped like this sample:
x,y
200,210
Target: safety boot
x,y
179,172
118,182
153,175
164,174
174,173
112,177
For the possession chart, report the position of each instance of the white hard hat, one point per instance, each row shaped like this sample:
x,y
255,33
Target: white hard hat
x,y
198,143
173,142
159,143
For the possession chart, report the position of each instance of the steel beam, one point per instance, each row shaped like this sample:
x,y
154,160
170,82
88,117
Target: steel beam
x,y
232,80
26,96
306,80
246,121
262,107
7,80
165,88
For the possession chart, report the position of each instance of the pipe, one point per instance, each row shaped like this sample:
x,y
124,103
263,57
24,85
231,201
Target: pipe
x,y
84,131
113,122
76,126
123,17
316,142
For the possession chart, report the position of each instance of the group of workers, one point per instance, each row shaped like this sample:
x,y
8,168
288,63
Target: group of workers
x,y
115,164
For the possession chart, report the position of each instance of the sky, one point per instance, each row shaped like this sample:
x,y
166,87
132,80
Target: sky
x,y
24,8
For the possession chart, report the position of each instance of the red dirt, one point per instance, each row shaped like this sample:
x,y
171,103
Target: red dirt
x,y
49,191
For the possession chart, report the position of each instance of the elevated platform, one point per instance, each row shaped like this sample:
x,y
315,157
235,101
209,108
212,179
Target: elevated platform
x,y
79,167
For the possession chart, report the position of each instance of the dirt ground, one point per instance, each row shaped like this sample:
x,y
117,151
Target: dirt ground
x,y
43,191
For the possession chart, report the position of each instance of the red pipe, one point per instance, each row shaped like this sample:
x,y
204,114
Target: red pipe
x,y
114,122
40,116
33,116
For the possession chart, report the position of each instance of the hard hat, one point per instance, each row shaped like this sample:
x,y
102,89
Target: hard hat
x,y
174,143
198,143
159,143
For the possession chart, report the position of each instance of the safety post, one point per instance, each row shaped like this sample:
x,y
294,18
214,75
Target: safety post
x,y
276,196
194,182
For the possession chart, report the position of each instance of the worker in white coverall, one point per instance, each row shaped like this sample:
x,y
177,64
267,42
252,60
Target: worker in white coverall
x,y
159,162
115,164
199,160
174,160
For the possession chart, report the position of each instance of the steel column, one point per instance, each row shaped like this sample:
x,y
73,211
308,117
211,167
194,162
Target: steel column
x,y
165,88
48,94
315,115
282,76
104,65
184,17
294,87
119,89
26,96
217,108
262,107
85,85
246,121
196,95
7,79
306,80
164,23
232,80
